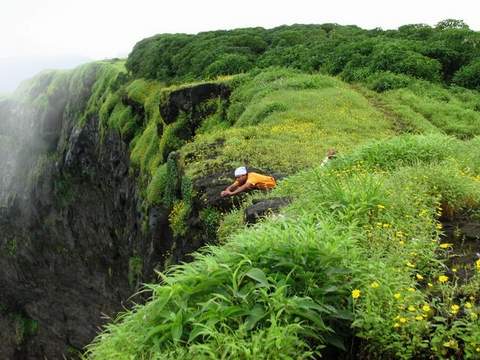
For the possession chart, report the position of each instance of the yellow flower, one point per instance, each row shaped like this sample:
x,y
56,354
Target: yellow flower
x,y
402,320
411,289
454,270
426,308
439,226
430,285
477,264
380,206
454,309
374,285
419,317
419,277
396,325
443,278
468,305
411,308
409,264
397,296
356,293
452,344
446,245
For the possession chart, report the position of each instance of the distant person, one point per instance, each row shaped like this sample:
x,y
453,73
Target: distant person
x,y
331,154
245,181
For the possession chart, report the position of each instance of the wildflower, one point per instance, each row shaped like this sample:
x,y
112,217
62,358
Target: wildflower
x,y
419,317
411,289
419,277
452,344
473,316
411,308
430,285
468,305
426,308
374,285
443,278
454,309
454,270
409,264
380,206
477,264
446,245
396,325
356,293
397,296
439,226
402,320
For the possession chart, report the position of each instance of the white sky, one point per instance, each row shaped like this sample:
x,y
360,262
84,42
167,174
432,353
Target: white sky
x,y
108,28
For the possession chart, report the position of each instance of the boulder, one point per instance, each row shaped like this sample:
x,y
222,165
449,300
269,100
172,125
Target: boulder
x,y
262,208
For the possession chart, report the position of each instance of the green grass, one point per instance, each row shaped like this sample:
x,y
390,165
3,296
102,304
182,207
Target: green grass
x,y
356,255
316,113
367,222
351,226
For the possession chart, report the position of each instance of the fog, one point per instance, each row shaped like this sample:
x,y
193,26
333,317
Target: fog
x,y
14,70
18,145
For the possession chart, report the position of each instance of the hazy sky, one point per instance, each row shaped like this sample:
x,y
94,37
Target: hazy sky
x,y
109,28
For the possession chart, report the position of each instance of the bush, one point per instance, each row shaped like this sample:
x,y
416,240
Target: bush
x,y
384,81
469,75
229,64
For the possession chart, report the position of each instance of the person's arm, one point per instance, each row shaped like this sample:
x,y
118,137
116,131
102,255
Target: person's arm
x,y
242,188
237,190
229,189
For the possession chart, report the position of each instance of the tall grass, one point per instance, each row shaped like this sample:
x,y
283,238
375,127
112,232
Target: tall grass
x,y
351,227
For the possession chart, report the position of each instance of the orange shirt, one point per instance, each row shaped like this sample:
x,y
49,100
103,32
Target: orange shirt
x,y
260,181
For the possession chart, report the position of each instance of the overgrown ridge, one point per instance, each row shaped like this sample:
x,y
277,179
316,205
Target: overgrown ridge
x,y
113,173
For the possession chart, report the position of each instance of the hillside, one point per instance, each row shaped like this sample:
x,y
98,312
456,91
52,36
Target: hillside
x,y
113,173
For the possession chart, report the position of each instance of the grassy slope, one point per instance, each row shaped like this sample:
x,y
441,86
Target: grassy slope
x,y
368,222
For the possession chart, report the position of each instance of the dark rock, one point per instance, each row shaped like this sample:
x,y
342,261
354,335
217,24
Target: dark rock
x,y
263,208
188,99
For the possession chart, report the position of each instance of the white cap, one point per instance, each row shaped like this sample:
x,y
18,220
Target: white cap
x,y
240,171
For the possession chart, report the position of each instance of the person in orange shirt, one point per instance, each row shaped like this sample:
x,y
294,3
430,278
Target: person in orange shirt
x,y
245,181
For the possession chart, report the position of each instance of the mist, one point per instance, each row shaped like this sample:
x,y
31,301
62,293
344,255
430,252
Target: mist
x,y
14,70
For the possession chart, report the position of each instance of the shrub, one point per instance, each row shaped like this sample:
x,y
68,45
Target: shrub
x,y
229,64
384,81
469,75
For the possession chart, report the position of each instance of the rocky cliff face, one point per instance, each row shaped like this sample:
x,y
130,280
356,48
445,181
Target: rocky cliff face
x,y
75,243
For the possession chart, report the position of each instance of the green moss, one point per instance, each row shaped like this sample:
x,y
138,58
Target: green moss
x,y
145,154
24,328
135,268
156,187
178,216
172,185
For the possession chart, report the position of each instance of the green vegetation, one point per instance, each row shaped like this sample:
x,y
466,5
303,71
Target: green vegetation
x,y
357,262
442,53
365,223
